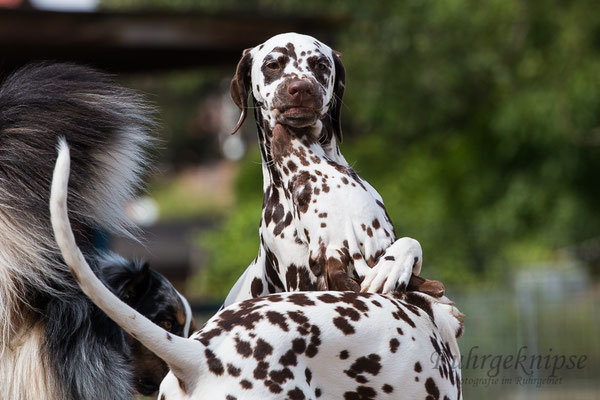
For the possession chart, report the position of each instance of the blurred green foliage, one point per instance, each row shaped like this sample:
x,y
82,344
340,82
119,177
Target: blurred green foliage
x,y
177,94
478,122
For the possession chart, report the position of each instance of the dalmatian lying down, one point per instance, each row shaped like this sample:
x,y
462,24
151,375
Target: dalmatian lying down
x,y
322,226
304,345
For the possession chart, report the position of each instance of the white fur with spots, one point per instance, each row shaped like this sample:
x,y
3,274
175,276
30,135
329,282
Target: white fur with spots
x,y
291,345
297,246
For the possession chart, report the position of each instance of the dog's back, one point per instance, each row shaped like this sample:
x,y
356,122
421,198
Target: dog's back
x,y
41,308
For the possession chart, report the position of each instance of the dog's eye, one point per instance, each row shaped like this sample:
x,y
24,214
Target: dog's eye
x,y
322,65
274,65
166,325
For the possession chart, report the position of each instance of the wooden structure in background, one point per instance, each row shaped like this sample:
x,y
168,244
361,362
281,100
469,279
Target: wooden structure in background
x,y
143,41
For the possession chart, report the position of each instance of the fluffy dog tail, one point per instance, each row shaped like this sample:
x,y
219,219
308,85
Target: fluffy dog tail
x,y
183,356
107,127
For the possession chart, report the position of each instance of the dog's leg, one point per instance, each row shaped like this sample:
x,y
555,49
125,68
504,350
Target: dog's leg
x,y
338,278
394,267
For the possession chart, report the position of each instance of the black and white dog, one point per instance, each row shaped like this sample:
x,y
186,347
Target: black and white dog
x,y
54,343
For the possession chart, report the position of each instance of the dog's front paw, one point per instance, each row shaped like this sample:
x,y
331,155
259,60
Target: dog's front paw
x,y
395,267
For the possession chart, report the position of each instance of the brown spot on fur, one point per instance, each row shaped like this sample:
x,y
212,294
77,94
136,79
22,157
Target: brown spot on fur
x,y
292,166
233,371
394,343
418,367
432,389
348,312
342,324
291,277
243,348
370,364
296,394
214,364
246,384
289,358
300,299
328,298
419,301
278,319
256,287
299,345
260,372
262,350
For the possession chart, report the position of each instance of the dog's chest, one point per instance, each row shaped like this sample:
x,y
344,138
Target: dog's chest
x,y
329,198
286,246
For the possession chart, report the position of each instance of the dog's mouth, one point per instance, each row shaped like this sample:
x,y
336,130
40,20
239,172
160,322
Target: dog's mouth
x,y
297,116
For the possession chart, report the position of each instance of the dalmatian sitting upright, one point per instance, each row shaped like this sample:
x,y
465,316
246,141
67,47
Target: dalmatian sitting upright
x,y
311,345
322,226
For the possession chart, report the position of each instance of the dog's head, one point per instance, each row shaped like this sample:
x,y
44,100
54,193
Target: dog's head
x,y
295,80
152,295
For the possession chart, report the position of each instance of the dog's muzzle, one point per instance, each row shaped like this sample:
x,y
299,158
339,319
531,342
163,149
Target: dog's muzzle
x,y
298,103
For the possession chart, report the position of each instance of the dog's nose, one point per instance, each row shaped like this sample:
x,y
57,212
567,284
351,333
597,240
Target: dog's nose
x,y
299,88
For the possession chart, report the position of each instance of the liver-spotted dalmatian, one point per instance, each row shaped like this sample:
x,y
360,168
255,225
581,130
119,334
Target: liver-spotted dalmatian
x,y
302,345
322,226
296,346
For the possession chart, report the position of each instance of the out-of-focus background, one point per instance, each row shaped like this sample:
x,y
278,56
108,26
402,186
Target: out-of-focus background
x,y
478,123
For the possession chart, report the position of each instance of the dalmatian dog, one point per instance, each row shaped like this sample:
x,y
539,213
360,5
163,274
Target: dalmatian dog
x,y
322,226
302,345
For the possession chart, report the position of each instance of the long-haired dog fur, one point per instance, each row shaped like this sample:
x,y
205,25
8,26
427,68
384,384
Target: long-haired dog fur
x,y
54,343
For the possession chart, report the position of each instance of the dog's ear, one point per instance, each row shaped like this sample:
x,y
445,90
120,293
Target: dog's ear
x,y
335,112
136,285
241,86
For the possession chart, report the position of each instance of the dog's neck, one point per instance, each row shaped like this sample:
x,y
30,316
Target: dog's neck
x,y
317,134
